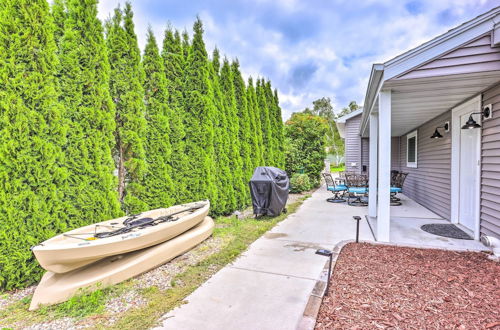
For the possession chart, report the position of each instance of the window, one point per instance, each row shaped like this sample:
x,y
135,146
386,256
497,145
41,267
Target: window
x,y
411,149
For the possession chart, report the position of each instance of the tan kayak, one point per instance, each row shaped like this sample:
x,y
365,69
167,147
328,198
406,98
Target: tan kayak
x,y
57,288
85,245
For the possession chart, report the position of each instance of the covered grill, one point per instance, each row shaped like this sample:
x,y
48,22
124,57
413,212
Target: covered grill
x,y
269,189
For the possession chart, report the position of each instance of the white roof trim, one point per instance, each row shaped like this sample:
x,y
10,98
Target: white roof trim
x,y
340,122
443,43
350,115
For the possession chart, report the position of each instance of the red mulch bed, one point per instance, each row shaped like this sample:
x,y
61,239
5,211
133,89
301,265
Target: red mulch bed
x,y
377,286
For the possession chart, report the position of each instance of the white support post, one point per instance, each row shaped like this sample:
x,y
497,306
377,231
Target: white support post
x,y
372,184
384,167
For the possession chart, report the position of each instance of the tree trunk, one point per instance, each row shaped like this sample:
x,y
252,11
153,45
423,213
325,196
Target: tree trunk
x,y
121,173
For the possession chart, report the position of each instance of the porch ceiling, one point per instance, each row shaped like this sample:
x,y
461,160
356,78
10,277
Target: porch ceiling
x,y
416,101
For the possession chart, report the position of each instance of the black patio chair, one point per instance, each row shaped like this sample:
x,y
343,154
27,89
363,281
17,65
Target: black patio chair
x,y
397,182
338,190
357,188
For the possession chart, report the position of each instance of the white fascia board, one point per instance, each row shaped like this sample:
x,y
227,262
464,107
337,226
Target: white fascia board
x,y
341,128
374,86
441,44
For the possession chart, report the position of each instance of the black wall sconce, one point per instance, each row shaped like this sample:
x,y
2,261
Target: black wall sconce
x,y
438,135
486,113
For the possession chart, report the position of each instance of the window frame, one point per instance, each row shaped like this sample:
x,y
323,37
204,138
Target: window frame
x,y
409,136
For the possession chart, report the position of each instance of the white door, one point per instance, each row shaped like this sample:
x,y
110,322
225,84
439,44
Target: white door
x,y
469,173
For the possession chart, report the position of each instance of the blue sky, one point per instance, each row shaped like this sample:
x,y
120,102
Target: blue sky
x,y
307,48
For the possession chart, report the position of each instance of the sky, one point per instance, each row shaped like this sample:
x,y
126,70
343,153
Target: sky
x,y
308,48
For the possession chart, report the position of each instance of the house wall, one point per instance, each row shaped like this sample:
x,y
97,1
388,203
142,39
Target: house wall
x,y
353,144
430,183
490,170
365,153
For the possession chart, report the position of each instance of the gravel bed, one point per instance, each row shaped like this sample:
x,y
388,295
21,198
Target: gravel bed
x,y
162,276
379,286
59,324
11,297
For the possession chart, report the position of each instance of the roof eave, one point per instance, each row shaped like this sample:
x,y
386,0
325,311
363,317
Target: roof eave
x,y
374,84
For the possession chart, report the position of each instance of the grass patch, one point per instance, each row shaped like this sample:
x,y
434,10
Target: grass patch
x,y
84,304
337,169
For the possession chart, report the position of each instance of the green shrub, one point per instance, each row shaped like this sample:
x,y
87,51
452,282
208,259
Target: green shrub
x,y
299,183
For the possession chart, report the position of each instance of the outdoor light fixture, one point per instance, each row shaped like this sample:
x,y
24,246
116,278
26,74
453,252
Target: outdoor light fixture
x,y
326,253
471,123
357,218
438,135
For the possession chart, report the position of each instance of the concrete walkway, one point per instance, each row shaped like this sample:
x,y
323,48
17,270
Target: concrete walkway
x,y
269,285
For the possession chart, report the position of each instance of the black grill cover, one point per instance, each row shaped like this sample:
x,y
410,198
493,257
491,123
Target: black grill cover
x,y
269,189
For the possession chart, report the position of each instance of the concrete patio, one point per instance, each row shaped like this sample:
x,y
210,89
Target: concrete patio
x,y
269,285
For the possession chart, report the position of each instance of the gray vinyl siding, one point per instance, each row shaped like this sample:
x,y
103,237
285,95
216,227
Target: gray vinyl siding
x,y
395,153
490,166
353,144
475,56
365,154
430,183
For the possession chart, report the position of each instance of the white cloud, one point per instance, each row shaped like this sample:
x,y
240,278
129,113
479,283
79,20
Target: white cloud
x,y
331,44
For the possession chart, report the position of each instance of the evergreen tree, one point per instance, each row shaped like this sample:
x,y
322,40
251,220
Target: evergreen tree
x,y
158,186
267,152
226,201
244,135
59,14
199,115
273,143
173,63
128,95
280,133
186,47
32,133
235,161
255,125
84,85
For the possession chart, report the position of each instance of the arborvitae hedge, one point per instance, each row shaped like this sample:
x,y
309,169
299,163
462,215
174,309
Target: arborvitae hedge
x,y
226,200
244,134
128,94
158,186
255,126
235,162
32,133
84,93
173,64
267,140
199,115
89,131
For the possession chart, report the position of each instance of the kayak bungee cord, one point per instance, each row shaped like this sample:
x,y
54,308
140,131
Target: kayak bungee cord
x,y
133,222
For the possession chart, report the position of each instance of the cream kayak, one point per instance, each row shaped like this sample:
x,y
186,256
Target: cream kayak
x,y
85,245
56,288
